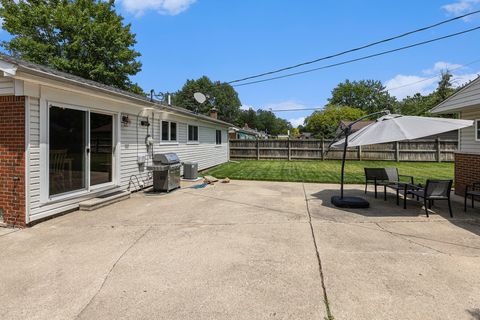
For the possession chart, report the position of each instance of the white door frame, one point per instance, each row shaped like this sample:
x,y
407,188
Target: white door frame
x,y
45,166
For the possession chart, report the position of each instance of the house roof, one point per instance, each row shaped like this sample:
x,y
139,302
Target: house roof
x,y
357,126
466,97
10,65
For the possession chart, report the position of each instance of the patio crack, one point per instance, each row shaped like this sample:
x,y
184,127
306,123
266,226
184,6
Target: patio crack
x,y
110,271
319,260
404,237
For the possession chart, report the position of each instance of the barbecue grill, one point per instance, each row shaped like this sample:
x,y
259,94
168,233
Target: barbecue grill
x,y
166,172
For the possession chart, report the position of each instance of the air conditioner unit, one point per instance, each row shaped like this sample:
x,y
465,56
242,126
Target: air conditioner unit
x,y
190,170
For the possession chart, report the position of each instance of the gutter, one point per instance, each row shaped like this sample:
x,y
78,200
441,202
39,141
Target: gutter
x,y
10,70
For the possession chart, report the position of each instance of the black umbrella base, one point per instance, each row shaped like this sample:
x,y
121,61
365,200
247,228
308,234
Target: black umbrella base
x,y
350,202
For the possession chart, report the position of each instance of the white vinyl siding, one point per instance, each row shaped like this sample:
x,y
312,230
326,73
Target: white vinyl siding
x,y
468,141
7,86
205,152
34,153
467,97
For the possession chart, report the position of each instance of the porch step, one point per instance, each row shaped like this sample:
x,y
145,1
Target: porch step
x,y
103,200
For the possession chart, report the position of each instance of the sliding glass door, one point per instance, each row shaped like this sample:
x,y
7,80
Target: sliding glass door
x,y
67,145
81,150
101,148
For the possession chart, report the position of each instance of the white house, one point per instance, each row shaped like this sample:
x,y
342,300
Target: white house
x,y
466,103
65,139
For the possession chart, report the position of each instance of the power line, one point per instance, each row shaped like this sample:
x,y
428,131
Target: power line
x,y
394,88
285,110
433,77
357,49
359,59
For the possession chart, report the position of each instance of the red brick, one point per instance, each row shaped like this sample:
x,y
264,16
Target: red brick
x,y
12,159
467,171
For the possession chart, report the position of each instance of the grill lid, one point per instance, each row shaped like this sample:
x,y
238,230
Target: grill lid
x,y
166,158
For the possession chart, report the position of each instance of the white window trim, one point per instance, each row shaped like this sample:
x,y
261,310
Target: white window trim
x,y
476,130
168,142
221,137
45,196
198,134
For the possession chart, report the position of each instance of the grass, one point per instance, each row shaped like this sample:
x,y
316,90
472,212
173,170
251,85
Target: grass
x,y
324,171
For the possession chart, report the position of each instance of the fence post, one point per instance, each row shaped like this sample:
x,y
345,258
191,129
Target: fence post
x,y
359,153
258,150
439,151
323,149
397,151
289,150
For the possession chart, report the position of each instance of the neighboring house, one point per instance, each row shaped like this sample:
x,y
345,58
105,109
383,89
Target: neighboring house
x,y
466,103
305,136
64,139
245,133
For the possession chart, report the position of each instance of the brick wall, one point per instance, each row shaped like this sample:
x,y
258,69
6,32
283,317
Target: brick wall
x,y
467,171
12,160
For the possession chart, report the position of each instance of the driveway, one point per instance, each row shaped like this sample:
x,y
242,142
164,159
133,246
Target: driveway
x,y
244,250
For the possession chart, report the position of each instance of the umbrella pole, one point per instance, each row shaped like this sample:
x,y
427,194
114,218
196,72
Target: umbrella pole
x,y
344,158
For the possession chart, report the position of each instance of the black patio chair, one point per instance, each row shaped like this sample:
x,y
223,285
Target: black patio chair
x,y
472,191
434,190
386,177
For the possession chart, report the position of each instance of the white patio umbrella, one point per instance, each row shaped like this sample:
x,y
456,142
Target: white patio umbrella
x,y
395,127
389,128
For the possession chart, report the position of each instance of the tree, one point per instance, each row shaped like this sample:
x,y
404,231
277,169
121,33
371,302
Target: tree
x,y
222,96
368,95
248,117
324,123
420,105
86,38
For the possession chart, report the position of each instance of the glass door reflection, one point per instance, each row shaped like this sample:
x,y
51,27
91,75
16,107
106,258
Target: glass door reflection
x,y
101,148
67,132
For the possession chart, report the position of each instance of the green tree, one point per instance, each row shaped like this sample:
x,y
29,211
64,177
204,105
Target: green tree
x,y
222,96
420,105
368,95
86,38
267,121
324,123
248,117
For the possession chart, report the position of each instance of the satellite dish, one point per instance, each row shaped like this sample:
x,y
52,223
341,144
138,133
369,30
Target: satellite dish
x,y
200,97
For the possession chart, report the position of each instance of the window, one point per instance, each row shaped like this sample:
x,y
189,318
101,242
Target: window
x,y
169,131
192,133
218,138
477,130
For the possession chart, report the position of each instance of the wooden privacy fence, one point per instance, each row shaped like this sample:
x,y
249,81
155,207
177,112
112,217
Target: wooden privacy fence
x,y
431,150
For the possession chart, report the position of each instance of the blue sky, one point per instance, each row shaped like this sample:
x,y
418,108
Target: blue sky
x,y
226,40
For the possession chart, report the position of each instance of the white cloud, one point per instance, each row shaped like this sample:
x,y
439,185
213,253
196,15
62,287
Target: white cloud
x,y
442,66
461,79
402,86
297,121
461,7
167,7
289,104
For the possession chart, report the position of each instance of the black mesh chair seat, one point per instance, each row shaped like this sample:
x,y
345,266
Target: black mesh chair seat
x,y
385,177
472,191
434,190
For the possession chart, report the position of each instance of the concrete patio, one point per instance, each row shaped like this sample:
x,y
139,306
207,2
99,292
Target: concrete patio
x,y
245,250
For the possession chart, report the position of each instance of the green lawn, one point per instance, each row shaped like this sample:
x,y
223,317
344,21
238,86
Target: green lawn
x,y
324,171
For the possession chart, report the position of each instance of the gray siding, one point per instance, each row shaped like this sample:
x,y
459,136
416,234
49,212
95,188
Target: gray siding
x,y
467,135
34,154
7,86
466,97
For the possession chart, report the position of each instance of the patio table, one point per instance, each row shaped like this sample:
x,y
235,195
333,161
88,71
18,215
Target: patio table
x,y
398,185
